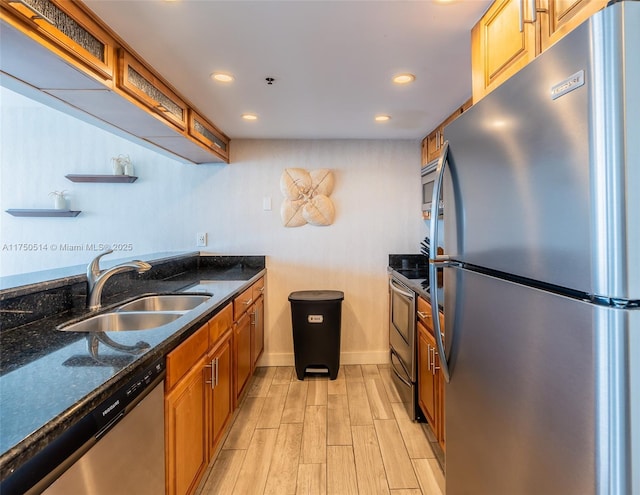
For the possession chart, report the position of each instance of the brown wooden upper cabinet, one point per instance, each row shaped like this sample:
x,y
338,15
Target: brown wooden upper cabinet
x,y
139,82
432,144
207,134
67,30
513,32
562,16
61,48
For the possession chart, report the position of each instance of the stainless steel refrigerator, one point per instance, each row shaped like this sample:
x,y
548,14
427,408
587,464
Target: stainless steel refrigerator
x,y
541,188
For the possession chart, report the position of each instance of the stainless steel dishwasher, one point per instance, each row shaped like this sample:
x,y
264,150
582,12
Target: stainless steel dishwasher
x,y
116,449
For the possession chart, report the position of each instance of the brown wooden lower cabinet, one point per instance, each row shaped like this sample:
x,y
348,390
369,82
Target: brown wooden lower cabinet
x,y
242,353
427,380
431,386
186,422
440,411
198,402
220,396
257,333
206,375
248,335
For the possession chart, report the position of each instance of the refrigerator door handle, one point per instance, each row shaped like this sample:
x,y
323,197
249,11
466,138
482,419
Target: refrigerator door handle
x,y
435,260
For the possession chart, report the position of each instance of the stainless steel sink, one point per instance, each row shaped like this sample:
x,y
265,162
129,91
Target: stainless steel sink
x,y
165,302
123,322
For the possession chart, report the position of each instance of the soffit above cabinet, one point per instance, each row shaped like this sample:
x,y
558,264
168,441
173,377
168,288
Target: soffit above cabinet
x,y
119,112
110,107
28,61
25,65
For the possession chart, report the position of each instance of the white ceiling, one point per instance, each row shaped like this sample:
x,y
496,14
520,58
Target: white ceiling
x,y
332,61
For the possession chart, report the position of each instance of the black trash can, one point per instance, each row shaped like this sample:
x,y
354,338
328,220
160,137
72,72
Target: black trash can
x,y
316,318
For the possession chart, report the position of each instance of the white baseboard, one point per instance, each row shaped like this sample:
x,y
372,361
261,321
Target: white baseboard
x,y
366,357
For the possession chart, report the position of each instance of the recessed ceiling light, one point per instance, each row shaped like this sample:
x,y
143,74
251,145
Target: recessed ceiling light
x,y
382,118
249,116
222,77
404,78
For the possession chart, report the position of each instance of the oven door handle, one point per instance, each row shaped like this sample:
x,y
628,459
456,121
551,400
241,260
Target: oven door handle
x,y
395,288
401,378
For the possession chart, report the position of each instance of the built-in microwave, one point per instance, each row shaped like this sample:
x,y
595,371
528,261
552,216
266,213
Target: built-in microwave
x,y
428,181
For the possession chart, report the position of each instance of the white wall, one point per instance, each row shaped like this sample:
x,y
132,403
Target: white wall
x,y
39,146
377,212
376,196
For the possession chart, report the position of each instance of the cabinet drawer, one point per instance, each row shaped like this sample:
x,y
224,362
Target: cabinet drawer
x,y
206,133
220,323
425,316
180,360
257,289
147,88
68,30
242,302
424,313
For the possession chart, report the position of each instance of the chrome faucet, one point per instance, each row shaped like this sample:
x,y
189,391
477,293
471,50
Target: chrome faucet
x,y
97,278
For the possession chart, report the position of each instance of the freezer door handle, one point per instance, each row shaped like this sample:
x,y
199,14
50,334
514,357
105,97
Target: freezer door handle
x,y
435,260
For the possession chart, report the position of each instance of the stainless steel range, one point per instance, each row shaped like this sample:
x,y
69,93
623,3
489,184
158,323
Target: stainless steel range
x,y
402,343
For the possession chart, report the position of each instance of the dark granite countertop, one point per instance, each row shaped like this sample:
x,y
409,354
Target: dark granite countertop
x,y
48,379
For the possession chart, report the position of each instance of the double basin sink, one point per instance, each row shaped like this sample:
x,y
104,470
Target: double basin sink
x,y
144,313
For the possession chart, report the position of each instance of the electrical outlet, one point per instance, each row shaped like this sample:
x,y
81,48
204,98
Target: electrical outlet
x,y
201,239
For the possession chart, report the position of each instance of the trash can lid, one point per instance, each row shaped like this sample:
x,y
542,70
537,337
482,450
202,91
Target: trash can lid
x,y
317,295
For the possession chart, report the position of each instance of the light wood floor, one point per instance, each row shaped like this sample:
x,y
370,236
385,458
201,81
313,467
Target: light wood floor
x,y
317,436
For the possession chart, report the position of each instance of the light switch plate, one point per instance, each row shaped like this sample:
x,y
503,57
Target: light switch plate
x,y
266,203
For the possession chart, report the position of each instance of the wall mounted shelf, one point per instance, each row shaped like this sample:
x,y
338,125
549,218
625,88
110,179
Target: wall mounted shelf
x,y
100,178
43,213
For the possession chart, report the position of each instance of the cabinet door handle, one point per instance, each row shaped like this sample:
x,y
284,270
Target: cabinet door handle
x,y
433,361
261,289
217,360
521,15
521,18
248,301
212,374
429,357
424,315
534,13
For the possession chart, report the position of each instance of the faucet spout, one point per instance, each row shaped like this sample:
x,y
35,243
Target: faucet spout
x,y
98,278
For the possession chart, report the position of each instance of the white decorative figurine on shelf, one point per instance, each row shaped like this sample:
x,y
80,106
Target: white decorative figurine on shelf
x,y
59,199
122,165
